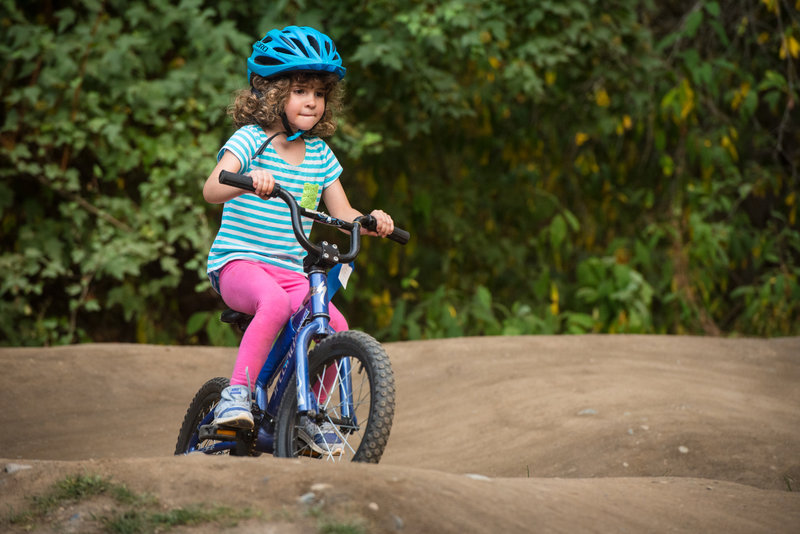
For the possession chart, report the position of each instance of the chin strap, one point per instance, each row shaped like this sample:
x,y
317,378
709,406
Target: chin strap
x,y
290,136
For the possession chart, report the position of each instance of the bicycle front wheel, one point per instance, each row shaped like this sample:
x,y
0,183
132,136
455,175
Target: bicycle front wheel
x,y
352,380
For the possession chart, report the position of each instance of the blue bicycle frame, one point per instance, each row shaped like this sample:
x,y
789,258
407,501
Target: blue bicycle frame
x,y
290,353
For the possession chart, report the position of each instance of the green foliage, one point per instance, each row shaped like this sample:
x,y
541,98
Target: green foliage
x,y
107,113
618,296
563,167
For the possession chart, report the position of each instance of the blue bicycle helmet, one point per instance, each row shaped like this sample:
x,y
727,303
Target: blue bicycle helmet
x,y
292,49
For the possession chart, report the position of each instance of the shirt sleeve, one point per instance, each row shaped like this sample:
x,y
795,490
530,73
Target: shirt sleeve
x,y
242,144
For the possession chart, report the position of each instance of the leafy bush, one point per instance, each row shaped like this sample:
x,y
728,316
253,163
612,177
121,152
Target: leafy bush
x,y
562,166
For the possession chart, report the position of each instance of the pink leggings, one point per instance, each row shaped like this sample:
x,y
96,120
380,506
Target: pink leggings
x,y
271,294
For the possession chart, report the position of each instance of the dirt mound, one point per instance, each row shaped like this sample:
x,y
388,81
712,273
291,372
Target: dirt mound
x,y
586,433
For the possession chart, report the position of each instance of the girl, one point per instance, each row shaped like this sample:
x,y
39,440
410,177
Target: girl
x,y
255,262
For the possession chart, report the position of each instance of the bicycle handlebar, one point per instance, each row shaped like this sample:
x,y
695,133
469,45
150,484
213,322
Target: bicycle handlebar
x,y
245,182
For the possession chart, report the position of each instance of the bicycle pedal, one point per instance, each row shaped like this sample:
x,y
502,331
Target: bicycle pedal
x,y
213,432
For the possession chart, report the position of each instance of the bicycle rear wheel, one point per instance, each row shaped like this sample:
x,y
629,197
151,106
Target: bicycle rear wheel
x,y
365,431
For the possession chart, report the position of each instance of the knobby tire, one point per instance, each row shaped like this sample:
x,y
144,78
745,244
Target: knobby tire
x,y
203,403
373,391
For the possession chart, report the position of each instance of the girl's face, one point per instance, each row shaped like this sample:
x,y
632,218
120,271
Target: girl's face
x,y
306,104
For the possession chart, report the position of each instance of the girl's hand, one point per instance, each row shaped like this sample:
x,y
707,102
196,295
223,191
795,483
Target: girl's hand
x,y
385,223
263,182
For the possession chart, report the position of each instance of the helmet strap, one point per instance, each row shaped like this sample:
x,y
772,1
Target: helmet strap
x,y
290,135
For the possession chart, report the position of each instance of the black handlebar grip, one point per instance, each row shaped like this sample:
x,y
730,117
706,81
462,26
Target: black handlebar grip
x,y
398,235
241,181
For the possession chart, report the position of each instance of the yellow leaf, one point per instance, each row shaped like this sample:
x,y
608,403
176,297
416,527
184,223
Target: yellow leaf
x,y
688,99
794,47
625,124
740,95
732,150
494,62
581,138
554,299
601,98
789,47
550,77
772,5
763,37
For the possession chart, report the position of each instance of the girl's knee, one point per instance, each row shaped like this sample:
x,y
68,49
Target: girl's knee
x,y
275,303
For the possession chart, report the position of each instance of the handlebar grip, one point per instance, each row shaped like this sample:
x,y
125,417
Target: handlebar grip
x,y
398,235
242,181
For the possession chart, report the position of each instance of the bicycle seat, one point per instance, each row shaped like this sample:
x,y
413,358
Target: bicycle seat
x,y
234,317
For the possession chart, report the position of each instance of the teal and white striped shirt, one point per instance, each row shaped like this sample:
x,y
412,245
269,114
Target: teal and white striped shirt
x,y
261,230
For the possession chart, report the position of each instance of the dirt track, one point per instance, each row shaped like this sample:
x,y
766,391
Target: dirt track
x,y
532,434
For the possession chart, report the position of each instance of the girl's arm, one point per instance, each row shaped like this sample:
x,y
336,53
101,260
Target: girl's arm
x,y
339,206
217,193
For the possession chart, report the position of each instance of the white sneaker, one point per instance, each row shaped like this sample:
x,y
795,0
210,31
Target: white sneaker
x,y
322,439
233,409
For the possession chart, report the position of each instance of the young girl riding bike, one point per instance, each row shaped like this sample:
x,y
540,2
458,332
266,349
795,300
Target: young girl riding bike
x,y
255,262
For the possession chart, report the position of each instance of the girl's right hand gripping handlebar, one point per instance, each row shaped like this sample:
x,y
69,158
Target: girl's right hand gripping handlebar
x,y
242,181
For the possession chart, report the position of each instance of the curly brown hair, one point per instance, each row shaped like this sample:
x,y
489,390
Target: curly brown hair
x,y
265,109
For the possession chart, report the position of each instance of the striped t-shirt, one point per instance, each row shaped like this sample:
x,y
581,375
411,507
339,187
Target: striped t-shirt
x,y
261,230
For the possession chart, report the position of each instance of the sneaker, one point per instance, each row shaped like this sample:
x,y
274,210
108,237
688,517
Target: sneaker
x,y
323,439
233,409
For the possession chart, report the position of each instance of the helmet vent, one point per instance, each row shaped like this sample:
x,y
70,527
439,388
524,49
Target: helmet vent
x,y
283,51
299,44
314,44
266,60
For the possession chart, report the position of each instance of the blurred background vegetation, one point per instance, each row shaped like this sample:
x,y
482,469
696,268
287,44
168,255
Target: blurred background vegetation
x,y
564,166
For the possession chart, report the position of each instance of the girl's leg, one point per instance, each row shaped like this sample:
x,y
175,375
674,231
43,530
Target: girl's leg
x,y
251,287
296,285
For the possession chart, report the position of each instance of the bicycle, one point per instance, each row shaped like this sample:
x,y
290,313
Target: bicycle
x,y
299,381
